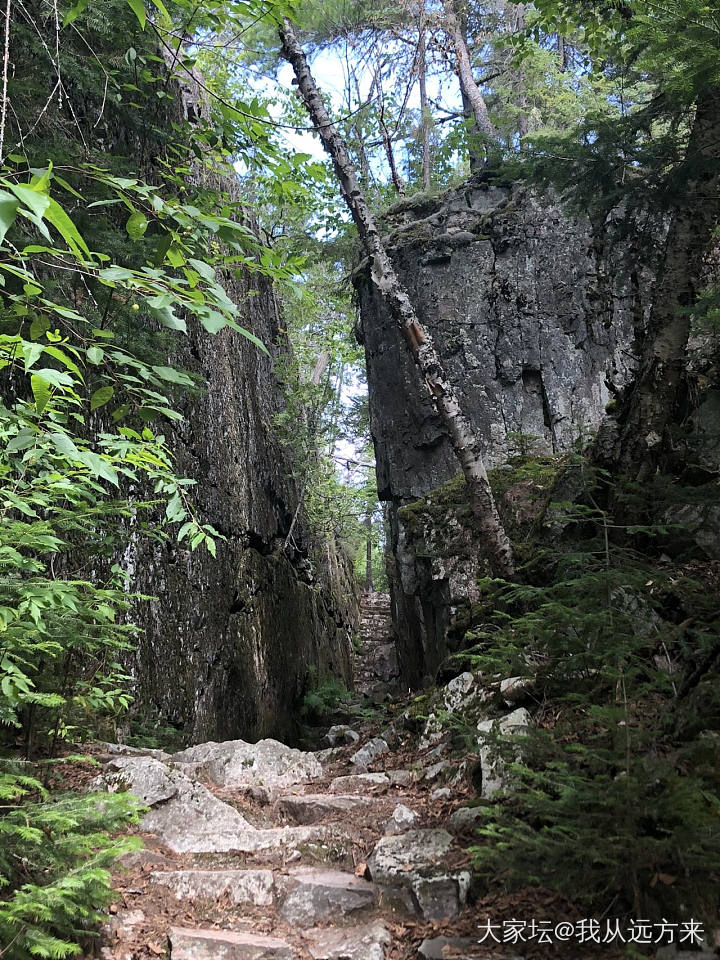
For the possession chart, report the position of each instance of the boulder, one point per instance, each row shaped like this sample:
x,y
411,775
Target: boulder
x,y
240,886
403,818
441,793
195,821
314,896
457,948
187,944
341,734
235,763
402,778
515,689
459,694
442,897
466,818
515,724
369,753
147,778
402,859
123,750
436,769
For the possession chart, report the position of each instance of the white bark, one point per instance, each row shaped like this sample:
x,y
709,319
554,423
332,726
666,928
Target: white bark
x,y
493,539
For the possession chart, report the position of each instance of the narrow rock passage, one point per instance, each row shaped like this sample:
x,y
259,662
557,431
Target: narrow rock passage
x,y
264,851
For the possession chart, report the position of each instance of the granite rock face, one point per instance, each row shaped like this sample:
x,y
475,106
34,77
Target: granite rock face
x,y
228,644
534,313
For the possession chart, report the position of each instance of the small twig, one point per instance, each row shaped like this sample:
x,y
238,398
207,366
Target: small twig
x,y
6,62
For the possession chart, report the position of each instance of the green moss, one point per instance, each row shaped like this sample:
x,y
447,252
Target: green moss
x,y
446,495
541,470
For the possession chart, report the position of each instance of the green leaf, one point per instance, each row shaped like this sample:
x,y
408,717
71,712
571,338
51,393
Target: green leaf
x,y
31,353
95,355
74,12
67,229
250,336
162,8
101,396
23,440
204,269
136,225
41,392
64,359
39,326
57,378
34,200
213,321
173,376
64,445
166,317
8,211
112,274
138,8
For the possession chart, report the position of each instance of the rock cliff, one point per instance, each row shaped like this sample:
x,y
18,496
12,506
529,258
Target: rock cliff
x,y
229,645
534,313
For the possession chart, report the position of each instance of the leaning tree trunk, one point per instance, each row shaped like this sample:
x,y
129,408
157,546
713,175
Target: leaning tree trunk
x,y
494,540
473,100
653,402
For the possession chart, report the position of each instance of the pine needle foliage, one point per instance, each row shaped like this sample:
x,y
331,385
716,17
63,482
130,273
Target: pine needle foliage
x,y
612,797
55,854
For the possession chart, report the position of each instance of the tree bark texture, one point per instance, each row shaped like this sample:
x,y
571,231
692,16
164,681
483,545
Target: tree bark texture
x,y
424,107
653,402
493,540
473,100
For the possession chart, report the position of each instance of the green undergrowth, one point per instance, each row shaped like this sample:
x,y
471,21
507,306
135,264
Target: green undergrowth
x,y
613,797
56,850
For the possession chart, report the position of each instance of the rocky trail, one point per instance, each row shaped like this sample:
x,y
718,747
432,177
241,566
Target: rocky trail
x,y
356,851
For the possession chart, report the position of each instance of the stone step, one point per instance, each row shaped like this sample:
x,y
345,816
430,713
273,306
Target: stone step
x,y
362,782
313,896
201,944
459,948
241,886
309,808
366,942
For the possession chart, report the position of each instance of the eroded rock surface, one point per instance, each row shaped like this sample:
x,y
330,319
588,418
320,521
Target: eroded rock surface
x,y
235,763
533,312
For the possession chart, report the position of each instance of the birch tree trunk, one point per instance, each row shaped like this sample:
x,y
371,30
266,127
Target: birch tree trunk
x,y
494,542
654,399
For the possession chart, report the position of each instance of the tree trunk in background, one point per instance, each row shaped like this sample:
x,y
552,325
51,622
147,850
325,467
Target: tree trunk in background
x,y
493,540
369,587
653,402
517,25
424,107
395,176
473,101
562,51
